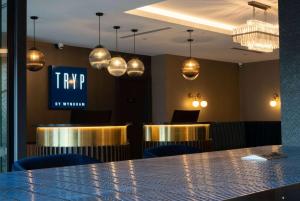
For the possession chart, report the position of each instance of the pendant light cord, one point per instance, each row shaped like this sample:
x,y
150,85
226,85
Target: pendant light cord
x,y
190,40
99,30
117,49
190,44
134,31
34,43
99,14
116,28
133,42
34,18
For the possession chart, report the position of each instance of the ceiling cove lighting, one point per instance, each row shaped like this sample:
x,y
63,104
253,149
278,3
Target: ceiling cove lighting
x,y
182,19
35,58
190,68
257,35
135,66
117,65
99,56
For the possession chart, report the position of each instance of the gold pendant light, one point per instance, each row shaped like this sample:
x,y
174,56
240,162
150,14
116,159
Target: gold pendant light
x,y
117,65
190,67
99,56
35,58
135,66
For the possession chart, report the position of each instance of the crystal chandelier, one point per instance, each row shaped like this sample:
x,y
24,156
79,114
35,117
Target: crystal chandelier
x,y
257,35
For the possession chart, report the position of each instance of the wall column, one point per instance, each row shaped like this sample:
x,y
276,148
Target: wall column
x,y
290,70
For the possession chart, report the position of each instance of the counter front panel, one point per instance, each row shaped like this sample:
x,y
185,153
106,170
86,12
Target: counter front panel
x,y
176,132
103,142
195,135
81,136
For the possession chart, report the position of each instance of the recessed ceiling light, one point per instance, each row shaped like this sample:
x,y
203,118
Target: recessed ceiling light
x,y
182,19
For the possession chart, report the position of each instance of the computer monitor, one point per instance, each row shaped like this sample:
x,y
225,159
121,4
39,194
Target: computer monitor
x,y
185,116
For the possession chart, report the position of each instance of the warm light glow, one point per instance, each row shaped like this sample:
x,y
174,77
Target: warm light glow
x,y
196,103
35,60
204,104
273,103
83,127
81,136
190,69
135,68
99,57
117,66
72,82
177,125
3,51
176,132
181,18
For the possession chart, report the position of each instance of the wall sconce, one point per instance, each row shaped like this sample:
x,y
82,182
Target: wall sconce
x,y
198,100
195,103
275,100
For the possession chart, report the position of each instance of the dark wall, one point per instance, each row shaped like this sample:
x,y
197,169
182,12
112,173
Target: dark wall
x,y
258,82
133,104
289,20
218,83
128,98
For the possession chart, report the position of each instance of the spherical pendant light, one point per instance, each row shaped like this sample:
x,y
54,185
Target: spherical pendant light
x,y
117,65
99,56
135,66
35,58
190,68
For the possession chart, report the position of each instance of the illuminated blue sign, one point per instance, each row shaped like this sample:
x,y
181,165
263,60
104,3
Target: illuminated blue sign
x,y
67,87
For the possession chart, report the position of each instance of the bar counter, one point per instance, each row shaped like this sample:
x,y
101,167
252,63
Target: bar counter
x,y
218,175
102,142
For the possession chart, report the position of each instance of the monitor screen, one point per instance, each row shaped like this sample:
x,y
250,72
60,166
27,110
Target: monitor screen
x,y
185,116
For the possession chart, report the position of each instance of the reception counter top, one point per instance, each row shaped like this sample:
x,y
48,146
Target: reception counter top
x,y
218,175
68,135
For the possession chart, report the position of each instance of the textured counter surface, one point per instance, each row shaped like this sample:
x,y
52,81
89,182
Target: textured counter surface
x,y
205,176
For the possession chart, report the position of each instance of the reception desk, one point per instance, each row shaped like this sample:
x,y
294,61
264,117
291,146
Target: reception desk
x,y
195,134
103,142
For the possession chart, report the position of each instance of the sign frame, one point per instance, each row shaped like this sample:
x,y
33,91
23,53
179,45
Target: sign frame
x,y
67,89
